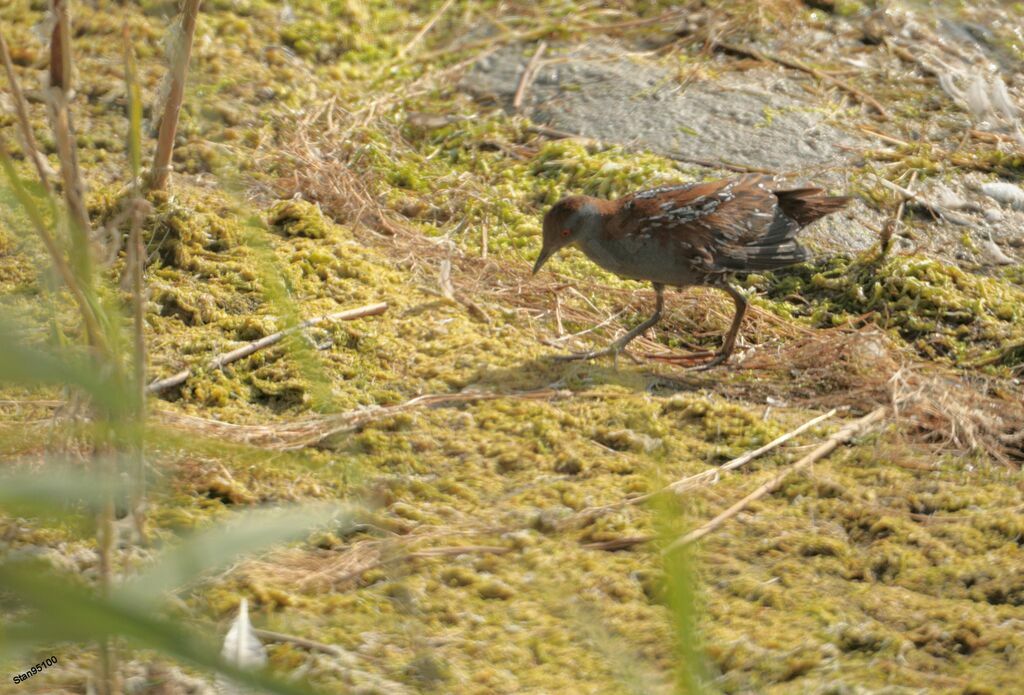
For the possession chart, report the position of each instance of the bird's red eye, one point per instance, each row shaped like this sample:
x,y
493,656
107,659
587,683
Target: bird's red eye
x,y
566,232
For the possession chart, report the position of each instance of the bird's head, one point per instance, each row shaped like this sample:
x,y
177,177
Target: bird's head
x,y
564,224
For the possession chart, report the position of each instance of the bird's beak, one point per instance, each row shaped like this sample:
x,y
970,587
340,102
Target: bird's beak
x,y
545,254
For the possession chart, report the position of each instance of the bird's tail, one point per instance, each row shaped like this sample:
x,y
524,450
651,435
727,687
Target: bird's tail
x,y
805,205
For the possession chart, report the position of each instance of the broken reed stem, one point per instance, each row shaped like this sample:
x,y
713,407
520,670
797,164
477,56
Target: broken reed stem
x,y
709,475
684,484
246,350
21,110
180,51
58,91
404,50
527,77
311,431
827,447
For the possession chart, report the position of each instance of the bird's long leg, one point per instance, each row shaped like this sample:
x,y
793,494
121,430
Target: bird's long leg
x,y
730,337
615,348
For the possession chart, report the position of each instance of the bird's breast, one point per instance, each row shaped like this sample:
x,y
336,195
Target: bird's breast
x,y
642,257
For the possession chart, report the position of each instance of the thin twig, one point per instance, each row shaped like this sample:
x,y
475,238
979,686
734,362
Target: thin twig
x,y
663,19
884,137
311,645
246,350
827,447
712,474
527,77
181,51
939,210
404,50
348,660
620,543
892,224
794,64
451,551
58,93
455,550
21,109
721,164
313,430
708,476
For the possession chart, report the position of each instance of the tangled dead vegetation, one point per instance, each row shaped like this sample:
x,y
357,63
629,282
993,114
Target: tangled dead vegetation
x,y
316,430
841,367
956,413
334,570
859,369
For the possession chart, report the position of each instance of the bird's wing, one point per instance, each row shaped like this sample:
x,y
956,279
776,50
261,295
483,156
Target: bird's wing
x,y
731,224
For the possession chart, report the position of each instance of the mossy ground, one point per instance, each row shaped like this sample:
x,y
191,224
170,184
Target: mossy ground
x,y
889,566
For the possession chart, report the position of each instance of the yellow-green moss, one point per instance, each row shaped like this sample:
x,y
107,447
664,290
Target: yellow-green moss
x,y
298,218
942,311
809,589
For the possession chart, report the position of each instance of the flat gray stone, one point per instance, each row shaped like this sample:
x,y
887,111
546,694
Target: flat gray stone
x,y
759,118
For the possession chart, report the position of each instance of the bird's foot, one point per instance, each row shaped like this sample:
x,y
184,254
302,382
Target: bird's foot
x,y
591,355
679,359
614,350
719,358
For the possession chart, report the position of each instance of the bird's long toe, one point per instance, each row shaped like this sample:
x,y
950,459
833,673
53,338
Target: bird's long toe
x,y
590,355
679,359
719,358
614,350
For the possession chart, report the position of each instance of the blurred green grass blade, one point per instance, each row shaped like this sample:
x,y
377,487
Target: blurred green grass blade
x,y
221,546
55,491
66,611
276,289
35,365
20,192
680,594
134,107
76,273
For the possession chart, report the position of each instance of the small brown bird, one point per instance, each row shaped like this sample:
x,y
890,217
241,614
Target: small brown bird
x,y
688,234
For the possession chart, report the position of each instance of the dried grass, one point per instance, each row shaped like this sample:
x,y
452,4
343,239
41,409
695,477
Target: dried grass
x,y
955,411
313,431
334,570
327,169
842,367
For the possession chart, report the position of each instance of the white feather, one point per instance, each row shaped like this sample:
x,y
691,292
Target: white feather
x,y
976,97
241,646
949,86
1002,101
994,253
1006,193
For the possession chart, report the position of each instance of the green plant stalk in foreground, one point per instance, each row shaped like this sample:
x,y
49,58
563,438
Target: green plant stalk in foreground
x,y
109,371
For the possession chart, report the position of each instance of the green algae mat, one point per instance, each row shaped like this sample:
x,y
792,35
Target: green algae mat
x,y
333,155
